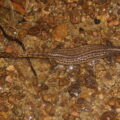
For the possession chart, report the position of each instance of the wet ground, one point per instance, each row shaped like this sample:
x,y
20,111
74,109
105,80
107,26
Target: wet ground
x,y
89,91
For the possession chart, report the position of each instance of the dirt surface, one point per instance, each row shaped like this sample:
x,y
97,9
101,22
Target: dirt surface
x,y
89,91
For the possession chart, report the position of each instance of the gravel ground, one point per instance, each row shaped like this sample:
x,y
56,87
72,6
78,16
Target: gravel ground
x,y
89,91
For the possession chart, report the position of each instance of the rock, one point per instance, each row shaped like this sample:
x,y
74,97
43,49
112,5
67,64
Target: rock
x,y
60,32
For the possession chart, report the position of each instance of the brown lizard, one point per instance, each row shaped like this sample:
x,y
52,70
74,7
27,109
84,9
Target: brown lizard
x,y
70,56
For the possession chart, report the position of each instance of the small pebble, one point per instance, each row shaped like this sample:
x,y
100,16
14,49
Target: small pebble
x,y
9,79
10,68
108,115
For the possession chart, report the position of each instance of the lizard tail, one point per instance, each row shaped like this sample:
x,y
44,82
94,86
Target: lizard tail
x,y
22,55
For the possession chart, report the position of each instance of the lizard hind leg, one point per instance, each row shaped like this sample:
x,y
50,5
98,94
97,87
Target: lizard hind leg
x,y
53,62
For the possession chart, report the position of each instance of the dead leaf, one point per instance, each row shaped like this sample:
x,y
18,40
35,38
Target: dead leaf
x,y
18,7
